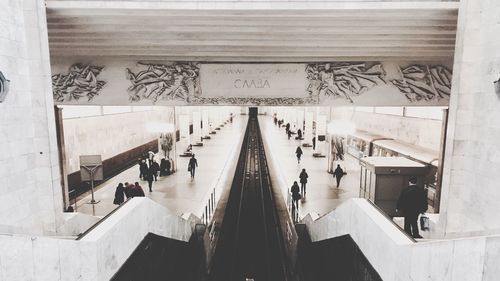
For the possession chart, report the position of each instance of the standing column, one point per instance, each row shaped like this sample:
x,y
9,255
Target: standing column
x,y
320,136
308,129
184,132
197,128
205,131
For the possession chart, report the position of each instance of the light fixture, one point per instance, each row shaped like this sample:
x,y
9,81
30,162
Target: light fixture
x,y
497,87
4,87
159,127
341,127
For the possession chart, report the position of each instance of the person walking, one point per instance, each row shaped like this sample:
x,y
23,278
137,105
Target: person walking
x,y
295,194
143,168
303,181
119,194
150,178
287,128
193,163
338,174
314,143
412,201
138,191
154,169
298,153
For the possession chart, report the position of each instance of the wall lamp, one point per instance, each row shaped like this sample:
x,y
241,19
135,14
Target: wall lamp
x,y
4,87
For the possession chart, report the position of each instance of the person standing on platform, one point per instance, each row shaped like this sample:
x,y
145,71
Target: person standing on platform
x,y
143,168
295,194
289,133
303,181
298,153
314,143
150,178
129,190
163,167
412,202
338,174
154,169
299,134
287,128
138,191
193,163
119,194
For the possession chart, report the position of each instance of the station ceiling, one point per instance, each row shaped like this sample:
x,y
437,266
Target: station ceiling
x,y
253,31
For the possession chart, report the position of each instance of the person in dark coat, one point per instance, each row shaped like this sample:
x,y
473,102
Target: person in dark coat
x,y
168,167
143,168
289,133
295,194
338,174
299,134
129,190
138,191
193,163
303,181
412,202
287,128
154,169
163,167
119,194
314,143
150,178
298,153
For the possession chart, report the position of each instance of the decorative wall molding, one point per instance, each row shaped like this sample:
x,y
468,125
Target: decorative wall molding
x,y
177,81
4,87
424,82
193,83
81,81
343,80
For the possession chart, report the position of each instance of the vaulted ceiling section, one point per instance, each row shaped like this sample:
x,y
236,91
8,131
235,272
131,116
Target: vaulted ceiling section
x,y
253,32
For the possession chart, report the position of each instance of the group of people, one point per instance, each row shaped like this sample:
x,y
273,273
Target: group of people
x,y
297,193
149,170
127,190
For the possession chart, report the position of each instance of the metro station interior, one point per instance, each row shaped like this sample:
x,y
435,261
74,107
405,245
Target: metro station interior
x,y
342,140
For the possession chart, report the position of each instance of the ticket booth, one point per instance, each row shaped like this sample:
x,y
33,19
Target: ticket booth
x,y
383,178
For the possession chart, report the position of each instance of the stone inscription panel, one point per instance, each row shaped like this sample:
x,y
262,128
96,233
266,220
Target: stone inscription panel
x,y
253,80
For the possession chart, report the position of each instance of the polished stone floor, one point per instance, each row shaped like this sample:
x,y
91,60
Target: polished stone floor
x,y
182,195
322,195
178,192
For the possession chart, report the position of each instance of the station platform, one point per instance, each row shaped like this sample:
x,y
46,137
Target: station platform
x,y
322,195
178,192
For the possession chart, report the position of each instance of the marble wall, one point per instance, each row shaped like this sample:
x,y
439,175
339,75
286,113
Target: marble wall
x,y
98,255
396,257
470,192
30,196
110,135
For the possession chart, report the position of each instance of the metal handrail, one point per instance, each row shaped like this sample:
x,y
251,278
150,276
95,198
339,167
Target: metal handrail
x,y
95,225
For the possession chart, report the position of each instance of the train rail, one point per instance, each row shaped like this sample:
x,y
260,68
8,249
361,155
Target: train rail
x,y
251,244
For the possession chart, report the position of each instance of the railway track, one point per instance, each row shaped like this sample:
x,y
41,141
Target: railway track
x,y
251,246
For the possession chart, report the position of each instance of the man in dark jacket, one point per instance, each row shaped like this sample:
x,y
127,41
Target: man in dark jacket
x,y
163,167
412,202
193,163
303,181
298,153
154,169
143,169
338,174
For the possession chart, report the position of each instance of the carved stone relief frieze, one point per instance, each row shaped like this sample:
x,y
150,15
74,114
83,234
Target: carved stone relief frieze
x,y
80,81
175,82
